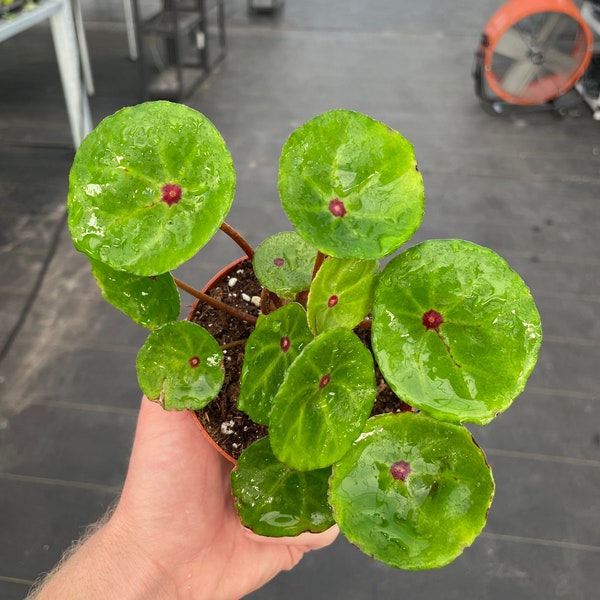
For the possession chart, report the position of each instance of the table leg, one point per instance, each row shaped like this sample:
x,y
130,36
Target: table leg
x,y
65,44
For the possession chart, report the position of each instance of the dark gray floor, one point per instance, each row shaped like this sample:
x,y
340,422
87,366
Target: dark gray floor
x,y
527,187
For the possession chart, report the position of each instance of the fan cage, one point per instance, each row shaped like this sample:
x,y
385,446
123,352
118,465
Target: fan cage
x,y
576,43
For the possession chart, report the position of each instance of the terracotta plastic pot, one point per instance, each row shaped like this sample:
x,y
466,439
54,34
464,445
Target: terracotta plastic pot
x,y
212,283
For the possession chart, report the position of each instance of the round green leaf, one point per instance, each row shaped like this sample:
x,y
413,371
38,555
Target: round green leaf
x,y
341,294
324,401
149,301
276,341
276,501
149,187
350,185
284,264
180,366
455,330
412,492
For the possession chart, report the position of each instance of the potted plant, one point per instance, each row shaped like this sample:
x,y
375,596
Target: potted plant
x,y
356,379
10,6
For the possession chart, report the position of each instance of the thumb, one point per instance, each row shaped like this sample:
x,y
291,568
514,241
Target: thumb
x,y
305,541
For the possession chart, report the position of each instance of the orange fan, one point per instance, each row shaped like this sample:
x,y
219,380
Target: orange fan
x,y
535,50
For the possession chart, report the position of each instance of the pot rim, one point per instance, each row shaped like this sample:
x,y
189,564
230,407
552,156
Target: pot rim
x,y
218,277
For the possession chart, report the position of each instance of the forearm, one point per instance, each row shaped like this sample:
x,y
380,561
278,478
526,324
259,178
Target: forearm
x,y
104,565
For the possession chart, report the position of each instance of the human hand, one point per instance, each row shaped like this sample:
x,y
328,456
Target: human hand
x,y
177,505
175,532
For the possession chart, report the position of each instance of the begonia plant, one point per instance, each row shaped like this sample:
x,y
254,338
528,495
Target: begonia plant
x,y
446,324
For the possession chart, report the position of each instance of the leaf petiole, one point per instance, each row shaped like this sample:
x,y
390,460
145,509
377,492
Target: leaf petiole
x,y
238,238
230,310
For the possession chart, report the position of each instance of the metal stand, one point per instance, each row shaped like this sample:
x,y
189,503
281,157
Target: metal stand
x,y
589,95
264,6
132,42
67,41
179,46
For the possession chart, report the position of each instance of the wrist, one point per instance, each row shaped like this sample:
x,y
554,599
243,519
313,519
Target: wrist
x,y
108,564
131,572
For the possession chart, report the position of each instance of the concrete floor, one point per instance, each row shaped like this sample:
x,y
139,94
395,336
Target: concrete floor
x,y
526,186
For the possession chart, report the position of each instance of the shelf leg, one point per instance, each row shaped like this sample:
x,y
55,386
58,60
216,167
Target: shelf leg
x,y
65,44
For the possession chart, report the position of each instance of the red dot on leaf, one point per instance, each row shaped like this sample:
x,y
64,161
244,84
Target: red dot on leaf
x,y
171,194
194,362
285,343
324,381
432,319
337,208
333,300
400,470
278,262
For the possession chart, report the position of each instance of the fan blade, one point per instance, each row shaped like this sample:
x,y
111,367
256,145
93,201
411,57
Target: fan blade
x,y
551,28
559,63
519,76
512,45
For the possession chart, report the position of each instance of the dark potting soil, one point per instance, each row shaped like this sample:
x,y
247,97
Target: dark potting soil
x,y
230,428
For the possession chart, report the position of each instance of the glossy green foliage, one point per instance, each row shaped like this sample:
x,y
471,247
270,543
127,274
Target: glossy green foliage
x,y
455,331
324,401
341,294
284,263
413,491
472,364
274,500
350,185
180,366
149,187
277,340
149,301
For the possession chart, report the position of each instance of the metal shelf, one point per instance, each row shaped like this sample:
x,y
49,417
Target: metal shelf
x,y
173,82
176,46
590,17
587,12
170,23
